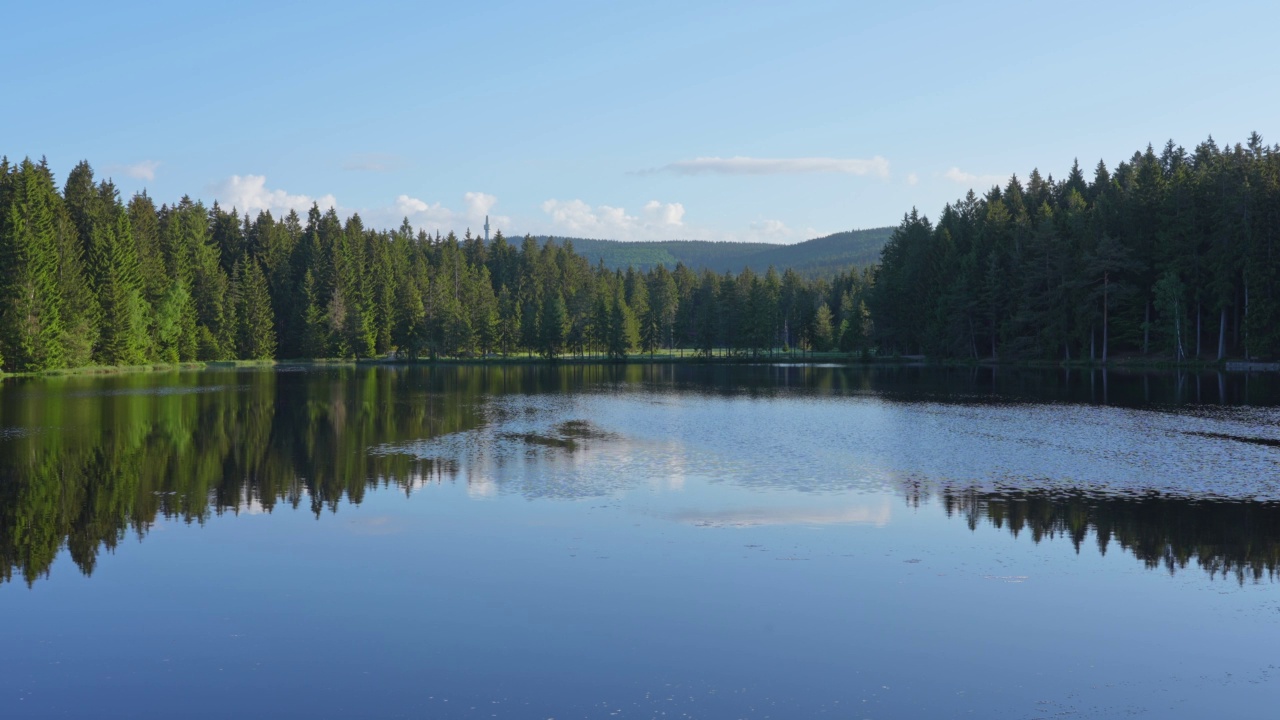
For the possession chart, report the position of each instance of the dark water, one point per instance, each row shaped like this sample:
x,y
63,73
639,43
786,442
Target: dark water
x,y
653,542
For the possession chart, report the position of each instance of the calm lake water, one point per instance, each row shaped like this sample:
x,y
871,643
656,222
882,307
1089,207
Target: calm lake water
x,y
640,542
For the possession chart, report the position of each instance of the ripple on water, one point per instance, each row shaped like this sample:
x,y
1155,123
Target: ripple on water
x,y
539,444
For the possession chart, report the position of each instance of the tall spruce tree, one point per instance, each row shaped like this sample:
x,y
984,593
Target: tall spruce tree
x,y
31,329
113,269
256,335
553,324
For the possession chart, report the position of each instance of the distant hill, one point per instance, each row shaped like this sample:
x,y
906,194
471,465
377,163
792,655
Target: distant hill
x,y
819,256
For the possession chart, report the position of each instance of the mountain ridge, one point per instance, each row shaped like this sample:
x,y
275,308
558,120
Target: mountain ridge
x,y
821,256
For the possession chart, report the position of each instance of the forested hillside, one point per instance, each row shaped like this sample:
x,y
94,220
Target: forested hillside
x,y
1173,253
824,256
645,255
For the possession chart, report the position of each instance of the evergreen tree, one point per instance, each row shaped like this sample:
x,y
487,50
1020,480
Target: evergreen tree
x,y
256,336
113,269
707,314
80,312
658,327
622,334
173,308
509,321
313,341
822,332
553,324
31,329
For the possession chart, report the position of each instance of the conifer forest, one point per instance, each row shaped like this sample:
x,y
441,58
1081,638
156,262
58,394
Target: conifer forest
x,y
1170,255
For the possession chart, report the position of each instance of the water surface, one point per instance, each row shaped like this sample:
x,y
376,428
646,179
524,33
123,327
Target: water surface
x,y
640,541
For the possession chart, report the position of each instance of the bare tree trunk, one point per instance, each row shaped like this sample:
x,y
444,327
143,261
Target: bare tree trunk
x,y
1222,335
1177,331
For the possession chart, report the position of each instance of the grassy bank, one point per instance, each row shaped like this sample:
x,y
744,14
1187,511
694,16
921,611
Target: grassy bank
x,y
149,367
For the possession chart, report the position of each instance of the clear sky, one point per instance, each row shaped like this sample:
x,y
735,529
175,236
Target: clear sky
x,y
645,120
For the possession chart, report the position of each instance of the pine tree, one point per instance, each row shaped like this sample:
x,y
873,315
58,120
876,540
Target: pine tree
x,y
706,314
113,263
173,308
459,334
314,335
148,247
256,334
30,303
509,322
80,311
664,301
83,203
553,324
485,317
622,334
822,332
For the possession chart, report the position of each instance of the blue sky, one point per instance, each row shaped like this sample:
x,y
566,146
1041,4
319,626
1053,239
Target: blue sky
x,y
654,120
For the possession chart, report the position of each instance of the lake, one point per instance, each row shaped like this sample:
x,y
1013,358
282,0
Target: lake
x,y
639,541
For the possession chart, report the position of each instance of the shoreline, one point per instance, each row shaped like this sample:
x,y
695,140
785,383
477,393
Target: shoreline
x,y
827,359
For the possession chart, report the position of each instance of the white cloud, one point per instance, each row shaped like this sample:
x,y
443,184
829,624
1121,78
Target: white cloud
x,y
143,170
434,217
664,214
779,166
657,221
912,179
577,217
961,177
479,204
421,213
772,229
409,206
249,194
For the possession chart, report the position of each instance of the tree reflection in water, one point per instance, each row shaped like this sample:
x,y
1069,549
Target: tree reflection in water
x,y
85,461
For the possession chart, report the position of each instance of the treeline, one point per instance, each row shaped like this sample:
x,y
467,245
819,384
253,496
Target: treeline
x,y
1173,253
87,279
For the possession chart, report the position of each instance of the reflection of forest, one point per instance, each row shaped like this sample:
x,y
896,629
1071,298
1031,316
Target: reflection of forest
x,y
85,460
1227,539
